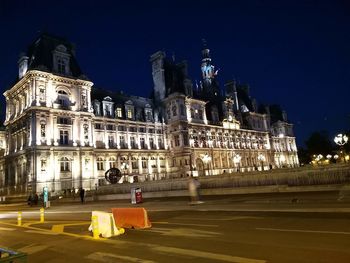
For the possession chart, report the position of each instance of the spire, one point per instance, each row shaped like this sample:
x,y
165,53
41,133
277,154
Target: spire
x,y
206,67
205,52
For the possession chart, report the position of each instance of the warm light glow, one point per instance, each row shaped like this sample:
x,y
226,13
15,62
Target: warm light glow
x,y
206,158
341,139
261,157
237,158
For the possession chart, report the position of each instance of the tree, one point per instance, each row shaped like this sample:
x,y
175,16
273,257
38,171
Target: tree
x,y
319,143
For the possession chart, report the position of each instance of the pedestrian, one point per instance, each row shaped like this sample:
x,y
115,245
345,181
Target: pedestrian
x,y
82,194
193,188
73,193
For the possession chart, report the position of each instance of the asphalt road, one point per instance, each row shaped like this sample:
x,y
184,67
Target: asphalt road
x,y
254,228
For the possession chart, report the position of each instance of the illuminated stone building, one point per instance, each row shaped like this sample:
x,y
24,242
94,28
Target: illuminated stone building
x,y
62,132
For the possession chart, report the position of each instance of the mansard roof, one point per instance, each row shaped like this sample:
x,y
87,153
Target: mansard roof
x,y
119,98
40,54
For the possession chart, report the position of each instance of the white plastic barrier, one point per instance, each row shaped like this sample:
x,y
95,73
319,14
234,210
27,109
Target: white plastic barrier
x,y
106,224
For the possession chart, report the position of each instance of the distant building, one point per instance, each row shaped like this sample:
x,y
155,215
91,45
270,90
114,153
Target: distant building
x,y
62,132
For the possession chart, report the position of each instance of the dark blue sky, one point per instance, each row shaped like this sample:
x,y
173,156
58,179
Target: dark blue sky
x,y
295,53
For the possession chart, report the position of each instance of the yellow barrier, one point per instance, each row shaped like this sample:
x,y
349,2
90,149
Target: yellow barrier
x,y
42,212
19,219
95,231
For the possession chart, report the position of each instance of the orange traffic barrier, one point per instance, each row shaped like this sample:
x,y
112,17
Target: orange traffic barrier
x,y
131,217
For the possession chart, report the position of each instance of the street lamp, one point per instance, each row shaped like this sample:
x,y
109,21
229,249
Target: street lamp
x,y
206,159
261,158
124,167
341,140
237,160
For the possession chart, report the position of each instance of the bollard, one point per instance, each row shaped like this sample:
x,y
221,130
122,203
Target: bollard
x,y
19,219
42,211
95,230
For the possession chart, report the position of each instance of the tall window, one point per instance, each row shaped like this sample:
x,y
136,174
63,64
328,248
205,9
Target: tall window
x,y
177,140
134,163
122,141
99,164
61,66
112,163
119,112
142,143
65,164
129,114
132,142
160,143
63,137
151,143
110,141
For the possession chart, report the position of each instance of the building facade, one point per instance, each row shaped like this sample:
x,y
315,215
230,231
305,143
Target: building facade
x,y
62,132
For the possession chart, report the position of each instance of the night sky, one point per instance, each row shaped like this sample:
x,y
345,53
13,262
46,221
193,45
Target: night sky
x,y
294,53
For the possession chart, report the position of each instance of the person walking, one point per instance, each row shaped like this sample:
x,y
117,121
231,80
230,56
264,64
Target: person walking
x,y
82,195
193,189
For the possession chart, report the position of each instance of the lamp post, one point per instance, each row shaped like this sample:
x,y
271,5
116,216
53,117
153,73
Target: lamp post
x,y
124,167
261,158
237,160
206,159
341,140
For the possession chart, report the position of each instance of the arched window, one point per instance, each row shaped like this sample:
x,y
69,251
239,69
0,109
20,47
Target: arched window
x,y
65,164
63,98
100,164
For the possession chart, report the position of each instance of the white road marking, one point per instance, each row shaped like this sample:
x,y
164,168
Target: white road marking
x,y
103,257
183,224
31,249
6,229
219,219
183,232
303,231
207,255
41,232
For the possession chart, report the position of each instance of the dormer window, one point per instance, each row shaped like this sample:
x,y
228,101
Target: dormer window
x,y
61,60
119,112
61,66
129,114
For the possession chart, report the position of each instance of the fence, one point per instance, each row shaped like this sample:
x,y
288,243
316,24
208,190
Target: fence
x,y
289,177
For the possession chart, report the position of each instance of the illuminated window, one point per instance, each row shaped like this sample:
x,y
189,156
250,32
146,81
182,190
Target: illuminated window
x,y
119,112
129,114
65,167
